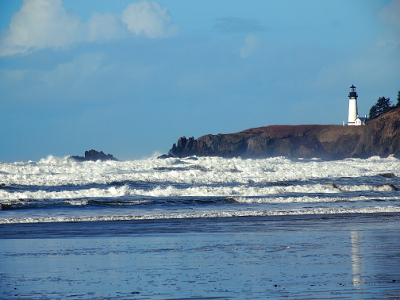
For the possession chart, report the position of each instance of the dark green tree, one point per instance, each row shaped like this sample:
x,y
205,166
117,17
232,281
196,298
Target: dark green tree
x,y
383,105
398,99
372,113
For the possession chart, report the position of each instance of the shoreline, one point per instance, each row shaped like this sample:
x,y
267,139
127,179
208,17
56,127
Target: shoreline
x,y
176,225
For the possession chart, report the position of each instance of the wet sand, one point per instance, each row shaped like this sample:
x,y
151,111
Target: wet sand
x,y
334,257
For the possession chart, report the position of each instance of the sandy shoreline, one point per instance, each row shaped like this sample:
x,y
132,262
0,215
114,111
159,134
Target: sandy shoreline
x,y
352,257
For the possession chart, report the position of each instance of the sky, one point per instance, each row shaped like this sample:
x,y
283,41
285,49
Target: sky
x,y
131,77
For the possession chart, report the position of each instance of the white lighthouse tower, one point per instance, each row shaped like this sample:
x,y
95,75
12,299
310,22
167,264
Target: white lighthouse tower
x,y
353,112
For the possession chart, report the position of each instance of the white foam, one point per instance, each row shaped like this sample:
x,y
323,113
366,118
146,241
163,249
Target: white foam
x,y
337,211
206,170
110,192
194,191
309,199
76,202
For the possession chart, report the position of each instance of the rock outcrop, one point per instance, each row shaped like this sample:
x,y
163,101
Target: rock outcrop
x,y
93,155
380,137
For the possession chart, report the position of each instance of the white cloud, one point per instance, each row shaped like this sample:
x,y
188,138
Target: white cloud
x,y
47,24
250,46
103,27
39,24
149,19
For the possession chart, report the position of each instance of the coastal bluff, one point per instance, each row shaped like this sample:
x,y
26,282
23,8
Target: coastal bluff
x,y
380,137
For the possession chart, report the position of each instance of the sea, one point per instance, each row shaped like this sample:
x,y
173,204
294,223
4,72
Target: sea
x,y
200,228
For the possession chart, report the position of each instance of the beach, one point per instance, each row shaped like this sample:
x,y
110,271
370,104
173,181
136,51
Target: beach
x,y
302,257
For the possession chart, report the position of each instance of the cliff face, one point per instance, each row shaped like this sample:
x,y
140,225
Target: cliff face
x,y
379,137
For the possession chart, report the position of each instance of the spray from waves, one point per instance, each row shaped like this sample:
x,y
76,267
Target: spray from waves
x,y
204,186
367,210
54,171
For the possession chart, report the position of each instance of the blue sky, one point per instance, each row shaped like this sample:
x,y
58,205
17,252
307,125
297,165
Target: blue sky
x,y
130,77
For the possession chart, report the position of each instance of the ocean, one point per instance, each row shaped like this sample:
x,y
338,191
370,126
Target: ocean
x,y
200,228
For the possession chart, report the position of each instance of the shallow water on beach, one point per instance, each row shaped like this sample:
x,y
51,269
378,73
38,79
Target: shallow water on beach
x,y
243,258
200,228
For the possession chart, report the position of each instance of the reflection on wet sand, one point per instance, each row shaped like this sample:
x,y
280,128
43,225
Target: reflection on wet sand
x,y
356,262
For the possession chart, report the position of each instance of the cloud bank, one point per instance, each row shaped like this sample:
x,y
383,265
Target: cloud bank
x,y
232,24
47,24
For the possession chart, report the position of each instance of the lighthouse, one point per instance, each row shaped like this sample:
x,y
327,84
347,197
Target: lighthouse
x,y
353,112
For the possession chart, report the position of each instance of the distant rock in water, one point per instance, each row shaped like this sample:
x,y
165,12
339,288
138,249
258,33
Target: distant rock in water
x,y
93,155
380,137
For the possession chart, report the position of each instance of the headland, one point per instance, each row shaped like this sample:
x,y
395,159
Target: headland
x,y
379,137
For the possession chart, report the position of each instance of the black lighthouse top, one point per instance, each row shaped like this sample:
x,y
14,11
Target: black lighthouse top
x,y
353,93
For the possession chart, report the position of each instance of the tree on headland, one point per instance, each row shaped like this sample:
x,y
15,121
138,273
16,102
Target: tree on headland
x,y
372,113
383,105
398,99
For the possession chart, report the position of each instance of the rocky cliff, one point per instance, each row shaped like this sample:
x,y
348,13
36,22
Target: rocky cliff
x,y
380,136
